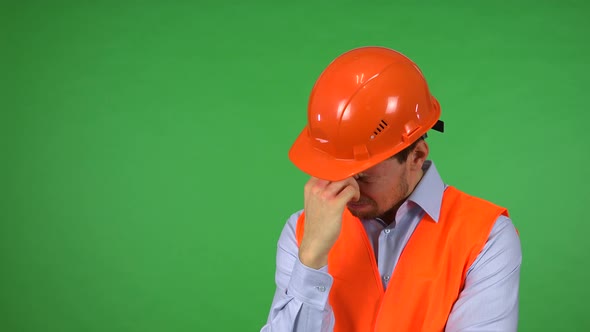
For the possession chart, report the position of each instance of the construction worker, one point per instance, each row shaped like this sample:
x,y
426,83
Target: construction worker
x,y
382,243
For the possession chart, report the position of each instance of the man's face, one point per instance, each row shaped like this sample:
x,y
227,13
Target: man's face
x,y
382,188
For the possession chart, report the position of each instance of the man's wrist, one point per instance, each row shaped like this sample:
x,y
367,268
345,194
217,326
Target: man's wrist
x,y
312,260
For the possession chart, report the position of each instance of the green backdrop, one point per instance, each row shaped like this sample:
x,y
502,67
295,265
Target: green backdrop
x,y
145,177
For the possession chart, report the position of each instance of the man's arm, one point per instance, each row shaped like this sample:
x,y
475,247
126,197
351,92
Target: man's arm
x,y
301,299
489,301
303,284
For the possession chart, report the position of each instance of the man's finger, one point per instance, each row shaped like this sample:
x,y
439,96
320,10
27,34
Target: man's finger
x,y
315,185
349,193
334,188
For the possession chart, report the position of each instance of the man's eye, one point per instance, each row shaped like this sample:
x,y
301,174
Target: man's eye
x,y
363,178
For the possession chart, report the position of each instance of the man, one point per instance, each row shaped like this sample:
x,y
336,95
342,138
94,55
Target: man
x,y
383,244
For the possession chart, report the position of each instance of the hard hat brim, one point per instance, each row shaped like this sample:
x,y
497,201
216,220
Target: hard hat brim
x,y
321,165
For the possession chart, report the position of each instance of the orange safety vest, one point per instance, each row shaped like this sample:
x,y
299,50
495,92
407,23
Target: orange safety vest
x,y
428,277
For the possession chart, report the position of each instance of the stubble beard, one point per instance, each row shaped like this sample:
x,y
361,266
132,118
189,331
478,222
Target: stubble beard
x,y
387,214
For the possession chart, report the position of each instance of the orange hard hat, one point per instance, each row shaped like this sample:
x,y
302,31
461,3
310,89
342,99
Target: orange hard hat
x,y
367,105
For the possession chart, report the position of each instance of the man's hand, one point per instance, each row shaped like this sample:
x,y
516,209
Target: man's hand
x,y
323,205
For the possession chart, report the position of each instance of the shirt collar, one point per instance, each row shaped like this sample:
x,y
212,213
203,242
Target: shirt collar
x,y
428,193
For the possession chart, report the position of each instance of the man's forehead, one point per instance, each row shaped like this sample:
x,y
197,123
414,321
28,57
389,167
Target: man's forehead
x,y
380,167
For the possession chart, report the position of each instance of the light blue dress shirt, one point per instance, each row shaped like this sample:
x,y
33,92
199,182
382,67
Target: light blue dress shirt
x,y
489,301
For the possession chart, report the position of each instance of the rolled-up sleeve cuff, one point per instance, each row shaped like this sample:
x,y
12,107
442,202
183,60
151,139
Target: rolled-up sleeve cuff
x,y
310,286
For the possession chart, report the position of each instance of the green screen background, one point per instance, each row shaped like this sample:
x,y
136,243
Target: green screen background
x,y
145,177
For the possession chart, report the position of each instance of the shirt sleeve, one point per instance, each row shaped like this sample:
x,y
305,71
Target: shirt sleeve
x,y
489,301
300,302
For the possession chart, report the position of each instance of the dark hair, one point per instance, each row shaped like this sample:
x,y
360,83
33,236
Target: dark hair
x,y
402,156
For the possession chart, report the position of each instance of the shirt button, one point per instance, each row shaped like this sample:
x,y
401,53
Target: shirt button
x,y
387,230
321,288
386,278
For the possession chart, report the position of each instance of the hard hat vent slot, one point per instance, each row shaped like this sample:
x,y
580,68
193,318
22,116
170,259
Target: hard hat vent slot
x,y
382,126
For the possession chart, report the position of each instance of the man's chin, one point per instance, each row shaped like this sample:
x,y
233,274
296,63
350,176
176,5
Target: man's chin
x,y
362,211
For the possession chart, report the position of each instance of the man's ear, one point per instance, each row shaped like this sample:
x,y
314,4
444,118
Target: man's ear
x,y
418,156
